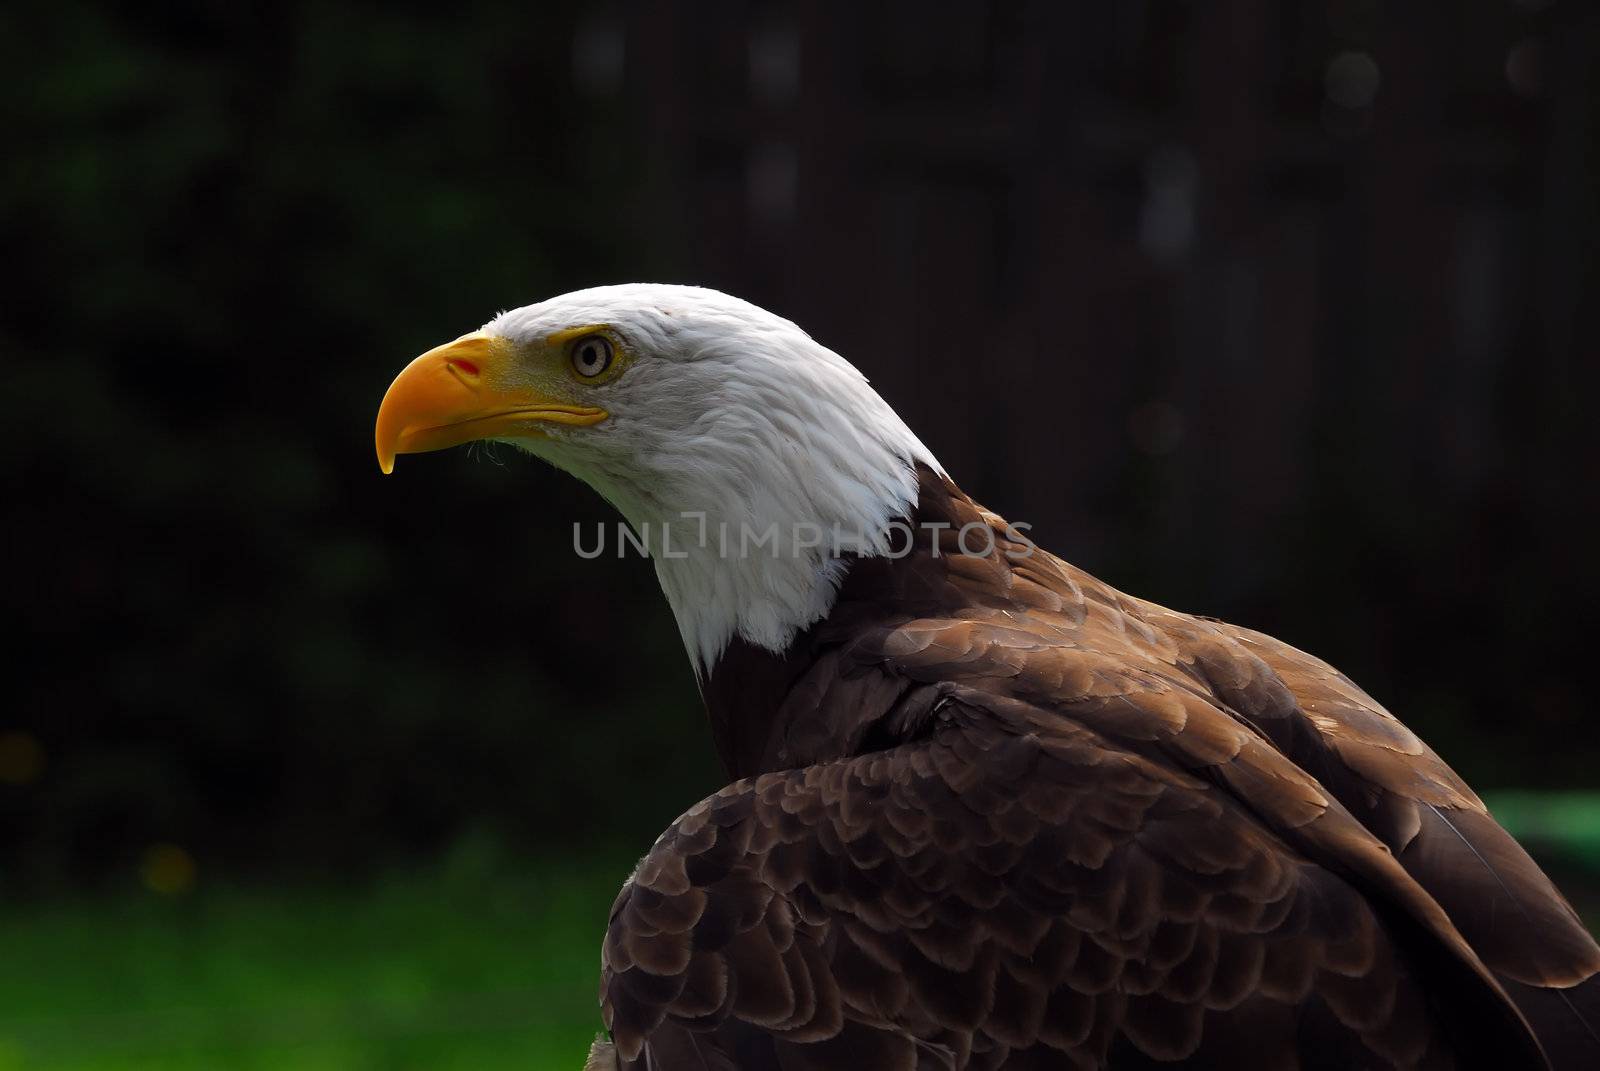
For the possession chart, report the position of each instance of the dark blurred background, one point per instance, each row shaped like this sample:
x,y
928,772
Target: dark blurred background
x,y
1283,313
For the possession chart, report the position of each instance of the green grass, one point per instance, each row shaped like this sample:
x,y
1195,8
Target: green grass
x,y
442,969
473,964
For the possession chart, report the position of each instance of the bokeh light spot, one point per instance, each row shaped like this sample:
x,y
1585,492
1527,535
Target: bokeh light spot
x,y
21,758
1524,73
1156,427
168,869
1352,80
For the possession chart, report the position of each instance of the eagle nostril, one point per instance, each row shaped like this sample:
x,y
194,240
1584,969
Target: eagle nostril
x,y
464,366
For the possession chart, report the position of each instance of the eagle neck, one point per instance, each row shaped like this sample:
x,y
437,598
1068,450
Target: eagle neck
x,y
762,560
825,696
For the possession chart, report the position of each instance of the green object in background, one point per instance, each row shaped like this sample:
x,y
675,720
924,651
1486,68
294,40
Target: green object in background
x,y
452,968
1562,823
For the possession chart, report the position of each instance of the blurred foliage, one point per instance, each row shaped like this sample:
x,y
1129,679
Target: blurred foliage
x,y
462,965
242,654
238,223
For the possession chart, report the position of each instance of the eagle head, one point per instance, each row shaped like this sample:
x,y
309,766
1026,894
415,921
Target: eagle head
x,y
710,424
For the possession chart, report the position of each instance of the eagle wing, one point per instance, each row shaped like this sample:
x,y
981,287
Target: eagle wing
x,y
1010,890
1059,638
1511,914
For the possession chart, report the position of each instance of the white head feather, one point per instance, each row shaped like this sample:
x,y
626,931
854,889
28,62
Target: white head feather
x,y
734,413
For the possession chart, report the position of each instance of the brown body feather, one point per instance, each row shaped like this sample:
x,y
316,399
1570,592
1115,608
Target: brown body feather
x,y
992,813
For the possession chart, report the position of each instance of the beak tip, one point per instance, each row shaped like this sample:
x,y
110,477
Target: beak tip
x,y
386,460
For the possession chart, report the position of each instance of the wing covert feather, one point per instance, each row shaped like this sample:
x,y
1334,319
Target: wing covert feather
x,y
1009,900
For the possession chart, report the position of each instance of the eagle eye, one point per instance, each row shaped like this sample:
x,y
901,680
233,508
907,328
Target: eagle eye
x,y
591,355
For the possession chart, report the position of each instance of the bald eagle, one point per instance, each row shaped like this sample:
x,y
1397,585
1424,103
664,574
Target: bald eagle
x,y
987,811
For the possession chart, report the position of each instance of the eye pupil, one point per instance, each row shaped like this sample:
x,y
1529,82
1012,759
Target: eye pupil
x,y
592,355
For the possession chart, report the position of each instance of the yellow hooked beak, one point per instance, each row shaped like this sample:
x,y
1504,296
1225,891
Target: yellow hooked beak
x,y
462,391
